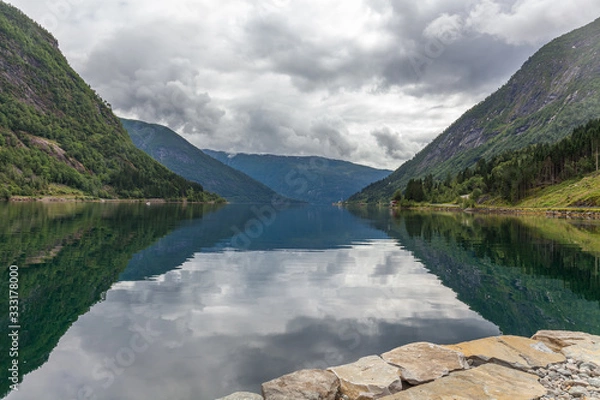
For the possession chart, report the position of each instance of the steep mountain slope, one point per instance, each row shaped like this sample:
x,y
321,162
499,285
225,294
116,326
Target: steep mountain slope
x,y
57,136
183,158
316,180
556,90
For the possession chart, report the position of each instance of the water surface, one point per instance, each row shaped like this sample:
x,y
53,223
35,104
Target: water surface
x,y
136,302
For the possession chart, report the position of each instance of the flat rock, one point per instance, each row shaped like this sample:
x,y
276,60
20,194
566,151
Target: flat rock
x,y
556,340
242,396
513,351
423,362
586,352
487,382
308,384
368,378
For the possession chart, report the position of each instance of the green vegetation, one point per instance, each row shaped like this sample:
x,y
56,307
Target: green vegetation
x,y
555,91
315,180
583,193
183,158
553,175
57,137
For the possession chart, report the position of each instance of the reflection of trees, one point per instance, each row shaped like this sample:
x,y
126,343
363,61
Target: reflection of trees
x,y
522,274
69,255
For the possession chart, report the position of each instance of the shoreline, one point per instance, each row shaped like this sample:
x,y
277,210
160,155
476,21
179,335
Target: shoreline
x,y
58,199
550,212
552,364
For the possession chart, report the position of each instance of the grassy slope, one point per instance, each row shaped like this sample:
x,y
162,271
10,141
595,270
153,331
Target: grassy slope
x,y
580,193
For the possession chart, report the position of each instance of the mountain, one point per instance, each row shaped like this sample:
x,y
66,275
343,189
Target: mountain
x,y
316,180
57,137
556,90
183,158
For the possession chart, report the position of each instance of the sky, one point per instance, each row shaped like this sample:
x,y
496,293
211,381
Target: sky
x,y
367,81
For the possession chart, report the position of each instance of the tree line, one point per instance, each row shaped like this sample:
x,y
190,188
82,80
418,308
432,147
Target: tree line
x,y
512,176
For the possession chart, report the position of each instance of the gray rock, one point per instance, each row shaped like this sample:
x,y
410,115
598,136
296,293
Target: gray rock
x,y
595,382
588,366
578,391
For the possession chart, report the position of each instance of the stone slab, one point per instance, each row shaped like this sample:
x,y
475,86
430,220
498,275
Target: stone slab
x,y
487,382
423,362
513,351
368,378
242,396
556,340
586,352
308,384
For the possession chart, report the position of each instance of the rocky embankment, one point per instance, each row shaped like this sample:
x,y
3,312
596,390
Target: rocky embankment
x,y
550,365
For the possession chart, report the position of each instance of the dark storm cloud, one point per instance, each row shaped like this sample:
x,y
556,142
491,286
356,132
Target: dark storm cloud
x,y
434,53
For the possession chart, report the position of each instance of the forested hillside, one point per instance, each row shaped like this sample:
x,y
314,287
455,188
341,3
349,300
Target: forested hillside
x,y
57,137
315,180
512,176
183,158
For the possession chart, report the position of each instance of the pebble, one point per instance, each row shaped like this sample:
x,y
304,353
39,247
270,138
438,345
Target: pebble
x,y
570,380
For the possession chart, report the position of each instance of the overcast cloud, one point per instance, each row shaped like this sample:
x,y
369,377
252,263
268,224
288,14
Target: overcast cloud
x,y
369,81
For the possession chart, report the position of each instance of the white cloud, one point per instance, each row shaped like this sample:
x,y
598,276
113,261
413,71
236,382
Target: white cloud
x,y
531,21
302,77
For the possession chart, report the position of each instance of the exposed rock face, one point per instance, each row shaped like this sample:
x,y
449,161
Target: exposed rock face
x,y
489,381
516,352
368,378
423,362
303,385
242,396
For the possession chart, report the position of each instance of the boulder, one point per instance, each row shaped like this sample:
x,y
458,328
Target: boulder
x,y
242,396
487,382
423,362
310,384
556,340
585,352
513,351
368,378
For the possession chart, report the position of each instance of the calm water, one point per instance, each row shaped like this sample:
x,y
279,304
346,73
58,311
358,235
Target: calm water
x,y
135,302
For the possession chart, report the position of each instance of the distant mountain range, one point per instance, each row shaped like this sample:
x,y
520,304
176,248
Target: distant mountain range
x,y
57,137
315,180
556,90
183,158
